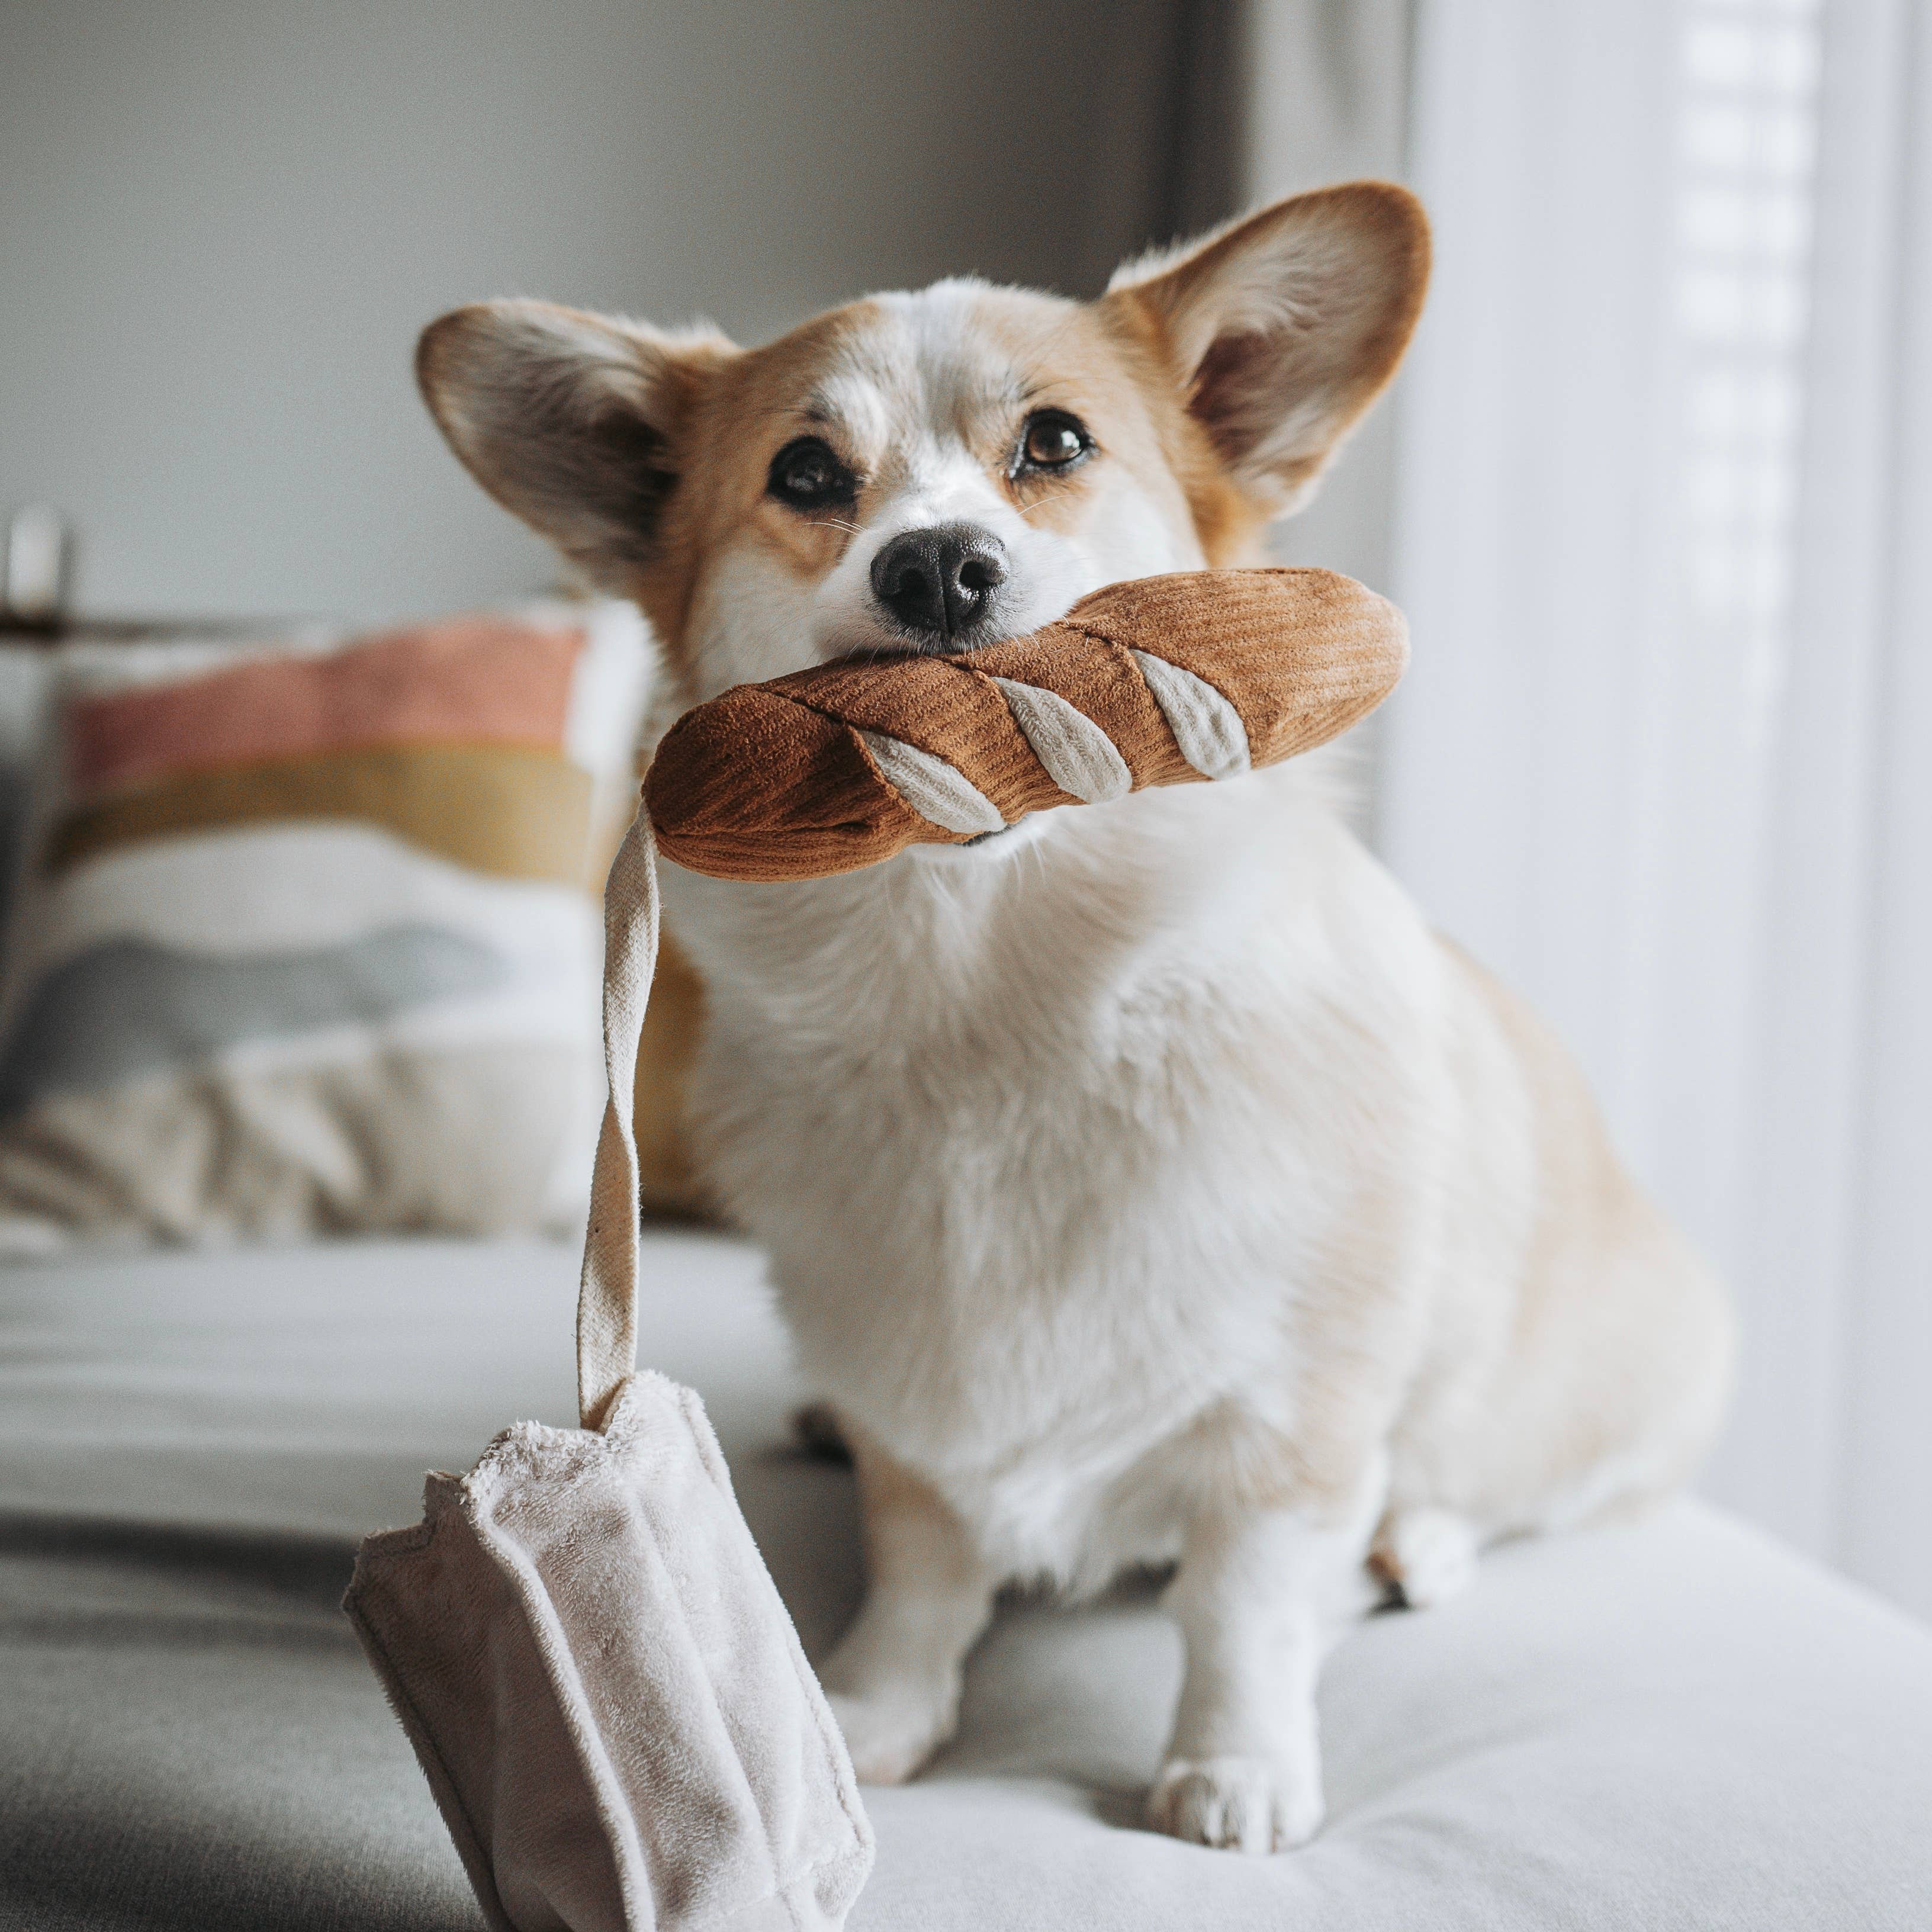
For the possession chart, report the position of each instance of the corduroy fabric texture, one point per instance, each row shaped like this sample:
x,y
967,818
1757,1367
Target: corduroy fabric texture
x,y
775,780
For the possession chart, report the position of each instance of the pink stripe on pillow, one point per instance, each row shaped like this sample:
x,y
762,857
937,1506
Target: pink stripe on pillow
x,y
480,679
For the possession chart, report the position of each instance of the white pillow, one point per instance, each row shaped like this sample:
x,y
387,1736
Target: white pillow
x,y
307,938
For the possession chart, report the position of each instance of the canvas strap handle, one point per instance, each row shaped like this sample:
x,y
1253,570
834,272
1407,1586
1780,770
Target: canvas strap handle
x,y
607,1302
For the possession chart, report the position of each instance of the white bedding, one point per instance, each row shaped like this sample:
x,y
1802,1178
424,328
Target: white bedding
x,y
1678,1725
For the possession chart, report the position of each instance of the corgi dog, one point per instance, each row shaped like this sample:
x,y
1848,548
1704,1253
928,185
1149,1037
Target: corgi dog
x,y
1147,1184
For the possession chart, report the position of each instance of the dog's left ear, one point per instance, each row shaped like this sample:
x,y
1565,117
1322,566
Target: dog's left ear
x,y
1284,327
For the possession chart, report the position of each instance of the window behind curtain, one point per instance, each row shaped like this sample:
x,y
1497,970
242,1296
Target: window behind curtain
x,y
1664,487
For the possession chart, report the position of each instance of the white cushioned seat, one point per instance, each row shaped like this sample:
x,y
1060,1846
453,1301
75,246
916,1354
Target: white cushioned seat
x,y
1677,1724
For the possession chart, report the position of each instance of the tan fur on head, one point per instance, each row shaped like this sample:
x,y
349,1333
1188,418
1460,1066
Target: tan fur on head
x,y
1217,381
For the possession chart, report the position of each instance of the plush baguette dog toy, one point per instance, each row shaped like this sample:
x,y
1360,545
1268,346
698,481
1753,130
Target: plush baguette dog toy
x,y
1204,674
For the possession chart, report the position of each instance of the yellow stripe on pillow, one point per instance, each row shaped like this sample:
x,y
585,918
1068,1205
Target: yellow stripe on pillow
x,y
513,811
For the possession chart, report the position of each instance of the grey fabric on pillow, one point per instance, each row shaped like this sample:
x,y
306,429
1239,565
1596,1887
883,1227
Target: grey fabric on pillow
x,y
1675,1726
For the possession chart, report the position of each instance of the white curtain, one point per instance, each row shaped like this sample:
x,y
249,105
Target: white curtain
x,y
1664,532
1328,97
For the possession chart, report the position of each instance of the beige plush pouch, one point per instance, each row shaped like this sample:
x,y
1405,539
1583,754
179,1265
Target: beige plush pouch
x,y
601,1683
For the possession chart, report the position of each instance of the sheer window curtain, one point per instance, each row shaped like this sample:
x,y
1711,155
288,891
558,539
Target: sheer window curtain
x,y
1663,527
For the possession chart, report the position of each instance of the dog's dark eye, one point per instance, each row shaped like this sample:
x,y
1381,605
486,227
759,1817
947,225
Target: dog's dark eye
x,y
1053,440
806,475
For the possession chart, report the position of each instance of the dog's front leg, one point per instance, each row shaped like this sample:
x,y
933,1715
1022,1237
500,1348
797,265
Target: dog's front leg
x,y
1256,1599
894,1680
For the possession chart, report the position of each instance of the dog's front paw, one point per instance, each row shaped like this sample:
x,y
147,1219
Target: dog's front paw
x,y
1244,1803
1429,1555
891,1734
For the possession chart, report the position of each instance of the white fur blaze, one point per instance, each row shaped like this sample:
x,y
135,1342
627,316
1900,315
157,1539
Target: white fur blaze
x,y
1076,754
938,792
1206,727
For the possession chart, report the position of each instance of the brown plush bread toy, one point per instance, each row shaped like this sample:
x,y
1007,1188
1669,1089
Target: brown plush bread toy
x,y
1204,674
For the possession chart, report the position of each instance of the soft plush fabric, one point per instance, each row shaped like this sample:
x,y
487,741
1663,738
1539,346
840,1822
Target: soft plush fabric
x,y
1644,1729
601,1684
1160,681
604,1691
302,939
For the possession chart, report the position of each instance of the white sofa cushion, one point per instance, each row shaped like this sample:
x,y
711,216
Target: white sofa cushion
x,y
1677,1724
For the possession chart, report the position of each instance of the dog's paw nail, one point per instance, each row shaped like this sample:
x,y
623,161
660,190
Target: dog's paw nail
x,y
1242,1803
889,1737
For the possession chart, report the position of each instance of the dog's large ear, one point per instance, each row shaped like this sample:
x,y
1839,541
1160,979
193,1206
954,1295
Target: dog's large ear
x,y
1284,327
572,421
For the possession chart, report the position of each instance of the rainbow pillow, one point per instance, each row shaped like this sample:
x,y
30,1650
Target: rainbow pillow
x,y
307,940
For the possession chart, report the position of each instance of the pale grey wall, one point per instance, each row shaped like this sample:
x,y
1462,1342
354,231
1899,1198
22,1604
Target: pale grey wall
x,y
222,223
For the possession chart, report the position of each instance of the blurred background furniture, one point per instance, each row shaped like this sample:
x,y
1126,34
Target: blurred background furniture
x,y
303,936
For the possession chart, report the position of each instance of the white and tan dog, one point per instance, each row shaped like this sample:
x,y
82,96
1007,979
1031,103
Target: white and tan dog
x,y
1146,1182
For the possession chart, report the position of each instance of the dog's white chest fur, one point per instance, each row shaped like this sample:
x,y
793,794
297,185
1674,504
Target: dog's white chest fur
x,y
1015,1132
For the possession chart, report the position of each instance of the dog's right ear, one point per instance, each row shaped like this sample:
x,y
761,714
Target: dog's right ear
x,y
1282,329
572,421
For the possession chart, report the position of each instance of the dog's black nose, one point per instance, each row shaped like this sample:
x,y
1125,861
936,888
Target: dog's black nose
x,y
941,580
